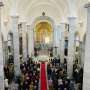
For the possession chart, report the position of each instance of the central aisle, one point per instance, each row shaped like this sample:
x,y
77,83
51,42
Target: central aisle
x,y
43,78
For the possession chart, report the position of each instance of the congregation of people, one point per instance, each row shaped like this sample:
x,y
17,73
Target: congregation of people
x,y
30,75
58,78
8,72
29,78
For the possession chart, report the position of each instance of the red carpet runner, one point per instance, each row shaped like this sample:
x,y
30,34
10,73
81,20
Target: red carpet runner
x,y
43,79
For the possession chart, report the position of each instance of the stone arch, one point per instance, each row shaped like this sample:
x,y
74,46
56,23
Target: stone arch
x,y
43,18
37,20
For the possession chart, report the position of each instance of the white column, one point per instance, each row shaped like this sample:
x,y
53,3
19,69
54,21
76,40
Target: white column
x,y
56,42
62,42
24,40
1,52
30,41
82,52
1,64
71,37
86,76
62,47
14,29
57,39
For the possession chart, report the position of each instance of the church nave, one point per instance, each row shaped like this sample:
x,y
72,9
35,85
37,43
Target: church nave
x,y
44,44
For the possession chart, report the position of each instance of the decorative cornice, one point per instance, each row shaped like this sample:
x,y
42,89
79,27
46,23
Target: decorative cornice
x,y
63,22
87,5
14,14
72,17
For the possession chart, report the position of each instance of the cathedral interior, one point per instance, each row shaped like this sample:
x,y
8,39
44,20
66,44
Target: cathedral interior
x,y
44,45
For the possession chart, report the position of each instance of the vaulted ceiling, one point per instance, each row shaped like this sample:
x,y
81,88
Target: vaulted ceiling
x,y
57,9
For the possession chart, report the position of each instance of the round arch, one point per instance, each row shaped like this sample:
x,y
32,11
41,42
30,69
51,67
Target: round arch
x,y
43,30
44,19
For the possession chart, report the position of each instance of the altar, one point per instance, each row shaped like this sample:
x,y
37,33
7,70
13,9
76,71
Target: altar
x,y
41,58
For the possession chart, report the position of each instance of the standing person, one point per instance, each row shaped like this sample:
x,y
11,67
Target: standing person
x,y
60,84
6,71
50,82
